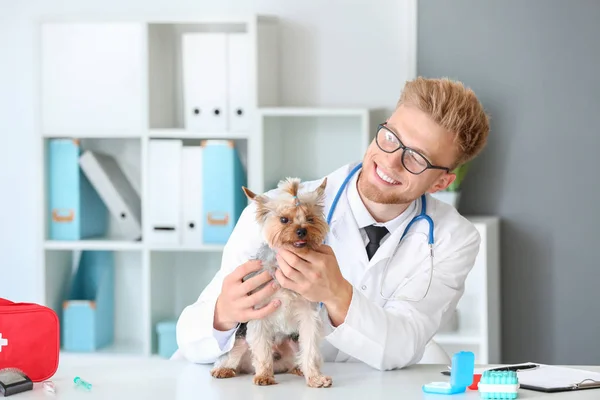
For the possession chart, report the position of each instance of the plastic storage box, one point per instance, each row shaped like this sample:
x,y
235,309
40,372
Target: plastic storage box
x,y
167,341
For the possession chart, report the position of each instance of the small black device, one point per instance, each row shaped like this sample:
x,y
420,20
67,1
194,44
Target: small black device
x,y
13,381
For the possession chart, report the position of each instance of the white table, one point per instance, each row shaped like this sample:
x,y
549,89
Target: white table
x,y
116,377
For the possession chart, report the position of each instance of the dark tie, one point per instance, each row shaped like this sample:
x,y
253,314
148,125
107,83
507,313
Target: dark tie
x,y
375,234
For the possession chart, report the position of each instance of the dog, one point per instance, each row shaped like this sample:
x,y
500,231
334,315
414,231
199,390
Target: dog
x,y
286,341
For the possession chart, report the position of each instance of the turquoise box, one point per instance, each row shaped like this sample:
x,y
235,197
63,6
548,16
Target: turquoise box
x,y
75,210
167,339
89,310
223,199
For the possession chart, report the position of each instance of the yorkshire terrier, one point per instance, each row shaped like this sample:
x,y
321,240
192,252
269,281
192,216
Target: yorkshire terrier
x,y
286,341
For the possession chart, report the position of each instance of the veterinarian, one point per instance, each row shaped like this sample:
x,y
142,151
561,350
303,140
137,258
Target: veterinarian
x,y
382,302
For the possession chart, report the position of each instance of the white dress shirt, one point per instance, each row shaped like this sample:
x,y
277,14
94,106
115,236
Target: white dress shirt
x,y
363,217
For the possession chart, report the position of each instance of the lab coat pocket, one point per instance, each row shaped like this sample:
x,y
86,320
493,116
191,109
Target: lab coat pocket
x,y
409,273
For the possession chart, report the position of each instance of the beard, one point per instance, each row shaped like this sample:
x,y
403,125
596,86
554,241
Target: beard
x,y
374,194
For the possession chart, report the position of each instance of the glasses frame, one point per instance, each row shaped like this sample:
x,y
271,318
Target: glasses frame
x,y
402,147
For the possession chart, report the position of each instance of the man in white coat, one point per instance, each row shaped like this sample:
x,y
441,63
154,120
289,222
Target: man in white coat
x,y
382,302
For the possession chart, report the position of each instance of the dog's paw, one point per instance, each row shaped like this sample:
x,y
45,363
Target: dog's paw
x,y
296,371
264,380
221,373
319,381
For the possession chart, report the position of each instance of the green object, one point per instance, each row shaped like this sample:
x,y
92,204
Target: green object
x,y
461,172
81,383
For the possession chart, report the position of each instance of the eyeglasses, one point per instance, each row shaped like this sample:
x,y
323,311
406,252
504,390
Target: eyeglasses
x,y
413,161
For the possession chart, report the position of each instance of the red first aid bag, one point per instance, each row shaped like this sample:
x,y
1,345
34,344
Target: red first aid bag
x,y
29,339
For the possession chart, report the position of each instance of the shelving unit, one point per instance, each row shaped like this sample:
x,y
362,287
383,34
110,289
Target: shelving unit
x,y
479,309
128,89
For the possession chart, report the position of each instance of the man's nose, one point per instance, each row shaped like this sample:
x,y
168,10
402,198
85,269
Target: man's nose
x,y
301,232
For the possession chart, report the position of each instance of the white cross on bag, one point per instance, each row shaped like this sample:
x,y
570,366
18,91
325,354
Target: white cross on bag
x,y
3,342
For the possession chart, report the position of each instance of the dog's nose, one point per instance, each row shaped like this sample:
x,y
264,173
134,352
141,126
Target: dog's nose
x,y
301,232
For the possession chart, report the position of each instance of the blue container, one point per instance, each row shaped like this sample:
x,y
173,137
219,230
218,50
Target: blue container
x,y
75,210
167,339
89,311
223,199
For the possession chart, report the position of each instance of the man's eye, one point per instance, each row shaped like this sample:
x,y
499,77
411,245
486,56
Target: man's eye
x,y
284,220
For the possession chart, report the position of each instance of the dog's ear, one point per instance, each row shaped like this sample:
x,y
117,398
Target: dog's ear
x,y
262,210
249,193
321,189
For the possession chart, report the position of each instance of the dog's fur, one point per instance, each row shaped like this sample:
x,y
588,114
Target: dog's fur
x,y
286,341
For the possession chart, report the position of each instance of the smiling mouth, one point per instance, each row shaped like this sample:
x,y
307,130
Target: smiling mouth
x,y
299,244
385,178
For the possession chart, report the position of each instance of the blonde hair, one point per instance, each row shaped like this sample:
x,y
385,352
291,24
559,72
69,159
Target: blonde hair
x,y
455,108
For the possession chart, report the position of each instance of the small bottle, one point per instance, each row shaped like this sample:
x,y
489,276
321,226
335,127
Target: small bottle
x,y
81,383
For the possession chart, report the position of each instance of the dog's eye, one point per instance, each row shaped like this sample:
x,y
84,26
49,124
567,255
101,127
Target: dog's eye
x,y
310,220
284,220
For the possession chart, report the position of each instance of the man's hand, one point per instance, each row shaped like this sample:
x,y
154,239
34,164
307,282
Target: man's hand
x,y
234,305
316,276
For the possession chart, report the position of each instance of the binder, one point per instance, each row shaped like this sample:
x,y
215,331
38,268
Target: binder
x,y
238,88
115,190
75,209
204,57
191,195
164,191
223,199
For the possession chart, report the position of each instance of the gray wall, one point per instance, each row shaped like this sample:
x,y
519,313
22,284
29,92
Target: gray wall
x,y
536,67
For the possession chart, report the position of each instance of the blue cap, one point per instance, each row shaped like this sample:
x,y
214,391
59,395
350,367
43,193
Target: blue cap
x,y
463,366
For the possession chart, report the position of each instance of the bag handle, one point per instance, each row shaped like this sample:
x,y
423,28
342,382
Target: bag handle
x,y
6,302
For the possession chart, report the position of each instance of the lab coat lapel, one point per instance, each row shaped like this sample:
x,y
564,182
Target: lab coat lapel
x,y
343,228
346,232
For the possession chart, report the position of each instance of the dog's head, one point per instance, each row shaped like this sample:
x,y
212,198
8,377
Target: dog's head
x,y
292,218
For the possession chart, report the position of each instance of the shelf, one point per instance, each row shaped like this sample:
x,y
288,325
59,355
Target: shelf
x,y
457,338
93,244
91,134
205,248
119,347
189,134
312,112
310,143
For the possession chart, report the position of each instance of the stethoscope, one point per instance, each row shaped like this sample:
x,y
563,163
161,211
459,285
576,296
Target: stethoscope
x,y
422,216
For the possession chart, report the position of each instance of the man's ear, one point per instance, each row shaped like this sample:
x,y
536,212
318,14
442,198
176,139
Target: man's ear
x,y
442,182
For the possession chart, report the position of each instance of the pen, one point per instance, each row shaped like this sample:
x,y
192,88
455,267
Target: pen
x,y
516,368
521,367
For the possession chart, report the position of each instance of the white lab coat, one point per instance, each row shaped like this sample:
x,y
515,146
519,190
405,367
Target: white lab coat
x,y
383,334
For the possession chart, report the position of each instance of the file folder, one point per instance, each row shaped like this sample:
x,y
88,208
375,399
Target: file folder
x,y
89,310
191,195
164,191
115,190
223,199
204,57
75,209
238,88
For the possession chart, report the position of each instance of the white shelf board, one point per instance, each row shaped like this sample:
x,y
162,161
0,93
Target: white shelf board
x,y
91,134
168,133
119,347
201,248
457,338
92,244
312,112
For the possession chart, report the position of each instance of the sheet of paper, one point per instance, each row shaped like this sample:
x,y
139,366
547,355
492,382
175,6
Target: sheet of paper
x,y
548,376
